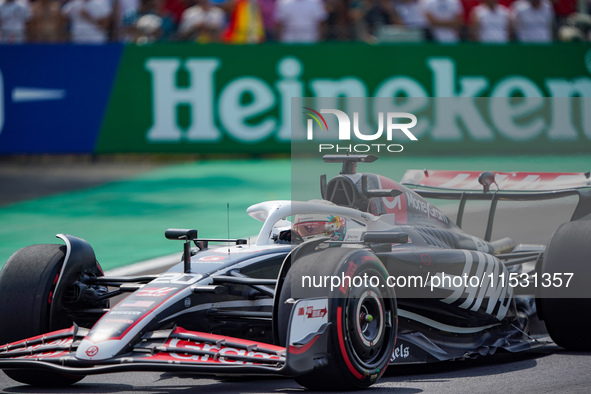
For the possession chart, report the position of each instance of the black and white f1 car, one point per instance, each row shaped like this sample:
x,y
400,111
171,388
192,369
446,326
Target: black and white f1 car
x,y
318,296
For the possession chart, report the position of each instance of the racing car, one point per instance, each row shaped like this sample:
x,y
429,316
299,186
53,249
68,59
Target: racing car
x,y
317,296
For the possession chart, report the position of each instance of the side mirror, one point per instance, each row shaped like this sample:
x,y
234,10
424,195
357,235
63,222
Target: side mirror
x,y
180,234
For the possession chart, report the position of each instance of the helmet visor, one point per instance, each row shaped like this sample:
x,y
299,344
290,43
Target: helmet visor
x,y
306,229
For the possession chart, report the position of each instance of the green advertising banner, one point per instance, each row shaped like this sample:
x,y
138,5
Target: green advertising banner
x,y
224,99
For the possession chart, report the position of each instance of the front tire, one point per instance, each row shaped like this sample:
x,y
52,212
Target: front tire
x,y
363,320
27,284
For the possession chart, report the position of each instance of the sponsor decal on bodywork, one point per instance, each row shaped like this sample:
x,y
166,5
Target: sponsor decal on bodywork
x,y
307,318
401,351
311,313
215,353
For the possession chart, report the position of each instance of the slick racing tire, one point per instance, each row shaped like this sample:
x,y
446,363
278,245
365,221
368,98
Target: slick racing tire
x,y
27,283
363,319
566,311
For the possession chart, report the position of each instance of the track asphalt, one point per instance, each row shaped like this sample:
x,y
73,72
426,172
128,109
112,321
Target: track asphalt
x,y
123,208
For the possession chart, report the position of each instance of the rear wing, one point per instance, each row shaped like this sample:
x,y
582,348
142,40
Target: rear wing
x,y
496,186
505,181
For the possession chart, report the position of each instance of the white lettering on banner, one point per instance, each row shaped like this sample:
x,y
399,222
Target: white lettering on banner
x,y
517,110
504,112
289,69
166,97
416,101
233,114
562,127
450,110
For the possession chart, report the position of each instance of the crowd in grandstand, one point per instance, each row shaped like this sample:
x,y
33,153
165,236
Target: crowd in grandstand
x,y
291,21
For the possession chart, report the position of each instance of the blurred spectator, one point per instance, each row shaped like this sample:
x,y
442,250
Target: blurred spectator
x,y
47,24
339,24
490,22
145,25
121,10
245,25
468,5
370,16
411,13
13,21
445,19
148,29
563,9
202,22
267,8
299,21
226,5
577,27
532,20
174,9
89,20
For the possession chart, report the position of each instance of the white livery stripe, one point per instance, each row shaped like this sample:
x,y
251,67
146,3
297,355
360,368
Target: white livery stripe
x,y
455,181
224,304
441,326
529,182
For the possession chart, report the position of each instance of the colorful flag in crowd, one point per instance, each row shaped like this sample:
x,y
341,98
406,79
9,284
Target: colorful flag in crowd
x,y
245,25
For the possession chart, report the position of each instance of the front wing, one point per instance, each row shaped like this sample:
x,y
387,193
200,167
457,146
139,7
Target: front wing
x,y
174,349
180,350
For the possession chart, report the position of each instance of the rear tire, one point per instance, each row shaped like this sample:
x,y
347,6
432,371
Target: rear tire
x,y
359,349
567,311
27,283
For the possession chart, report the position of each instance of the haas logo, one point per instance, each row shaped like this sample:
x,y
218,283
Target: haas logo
x,y
92,351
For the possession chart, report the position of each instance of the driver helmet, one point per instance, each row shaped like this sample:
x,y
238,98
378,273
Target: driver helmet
x,y
319,225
